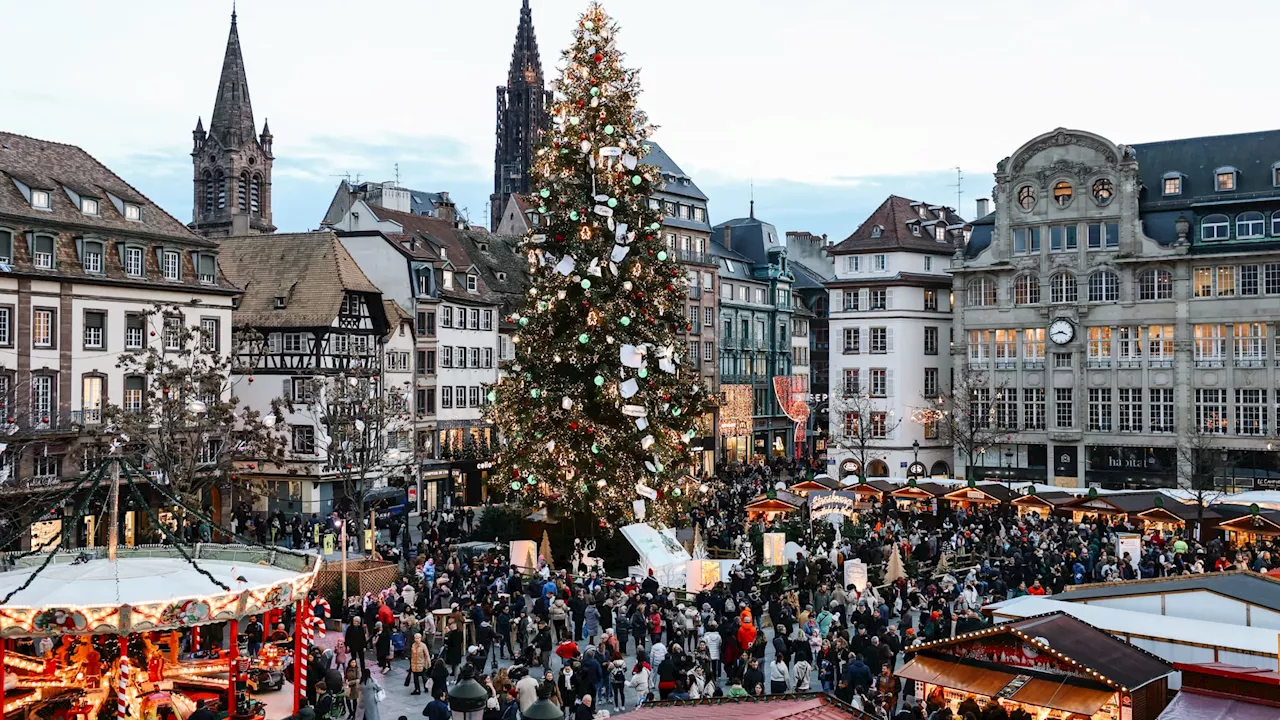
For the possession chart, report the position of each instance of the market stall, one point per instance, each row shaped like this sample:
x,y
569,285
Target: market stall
x,y
770,506
1053,666
1255,526
1097,505
871,491
1219,691
120,623
1041,502
818,483
920,497
979,495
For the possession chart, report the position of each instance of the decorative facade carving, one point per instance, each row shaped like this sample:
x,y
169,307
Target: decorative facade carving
x,y
1059,139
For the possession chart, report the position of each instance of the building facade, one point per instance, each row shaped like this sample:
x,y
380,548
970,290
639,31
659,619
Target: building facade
x,y
686,229
522,118
232,161
813,268
85,260
1123,299
890,326
755,339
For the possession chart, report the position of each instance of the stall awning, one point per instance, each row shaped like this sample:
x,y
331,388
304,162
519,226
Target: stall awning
x,y
1063,696
955,675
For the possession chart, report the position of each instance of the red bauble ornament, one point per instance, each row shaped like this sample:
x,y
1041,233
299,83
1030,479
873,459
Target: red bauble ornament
x,y
598,58
253,466
573,426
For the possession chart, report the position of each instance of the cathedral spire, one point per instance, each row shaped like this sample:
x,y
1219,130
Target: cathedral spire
x,y
526,65
232,120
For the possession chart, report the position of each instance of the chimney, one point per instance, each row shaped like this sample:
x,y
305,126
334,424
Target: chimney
x,y
983,208
728,239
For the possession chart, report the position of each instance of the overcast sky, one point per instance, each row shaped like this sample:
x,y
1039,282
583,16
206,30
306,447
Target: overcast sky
x,y
828,105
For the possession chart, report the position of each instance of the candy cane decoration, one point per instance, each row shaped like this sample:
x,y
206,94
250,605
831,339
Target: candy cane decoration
x,y
195,639
122,688
315,618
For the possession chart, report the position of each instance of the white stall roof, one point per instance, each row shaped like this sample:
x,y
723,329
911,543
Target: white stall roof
x,y
1127,622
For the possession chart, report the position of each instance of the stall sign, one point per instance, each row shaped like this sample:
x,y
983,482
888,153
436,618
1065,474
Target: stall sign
x,y
1014,686
1129,543
976,495
1006,650
774,545
855,574
833,502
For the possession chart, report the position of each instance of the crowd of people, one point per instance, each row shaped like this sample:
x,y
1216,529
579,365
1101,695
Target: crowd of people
x,y
587,643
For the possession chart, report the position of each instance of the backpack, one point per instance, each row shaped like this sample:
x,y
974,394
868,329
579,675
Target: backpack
x,y
619,675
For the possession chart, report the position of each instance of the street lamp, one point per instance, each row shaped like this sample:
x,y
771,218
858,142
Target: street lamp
x,y
469,697
1008,461
543,708
915,449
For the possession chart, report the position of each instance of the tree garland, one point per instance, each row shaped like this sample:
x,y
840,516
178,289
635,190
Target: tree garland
x,y
177,544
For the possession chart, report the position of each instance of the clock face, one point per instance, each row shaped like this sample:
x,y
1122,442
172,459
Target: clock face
x,y
1061,331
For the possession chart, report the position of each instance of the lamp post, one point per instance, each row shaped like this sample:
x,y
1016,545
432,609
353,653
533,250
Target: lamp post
x,y
1008,461
543,708
467,699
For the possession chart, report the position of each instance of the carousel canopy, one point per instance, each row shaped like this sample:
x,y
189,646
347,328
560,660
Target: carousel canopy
x,y
1247,587
150,589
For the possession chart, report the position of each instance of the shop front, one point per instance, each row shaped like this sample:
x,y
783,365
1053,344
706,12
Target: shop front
x,y
1121,467
772,505
1053,667
1012,462
435,485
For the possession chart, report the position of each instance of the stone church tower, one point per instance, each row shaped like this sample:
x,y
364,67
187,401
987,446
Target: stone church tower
x,y
522,118
232,162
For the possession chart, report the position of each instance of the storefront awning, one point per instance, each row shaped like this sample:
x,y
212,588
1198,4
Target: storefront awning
x,y
955,675
1063,696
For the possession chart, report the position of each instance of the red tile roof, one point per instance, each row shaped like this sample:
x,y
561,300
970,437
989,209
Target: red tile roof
x,y
895,218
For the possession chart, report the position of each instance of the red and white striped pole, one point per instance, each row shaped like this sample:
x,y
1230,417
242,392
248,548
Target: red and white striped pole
x,y
233,663
298,670
122,681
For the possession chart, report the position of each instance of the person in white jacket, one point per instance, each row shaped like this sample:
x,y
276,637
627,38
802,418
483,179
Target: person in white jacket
x,y
802,671
641,676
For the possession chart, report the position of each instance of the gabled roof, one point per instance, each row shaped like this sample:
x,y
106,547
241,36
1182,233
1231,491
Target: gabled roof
x,y
888,227
994,491
49,165
312,271
677,181
1249,587
452,240
928,488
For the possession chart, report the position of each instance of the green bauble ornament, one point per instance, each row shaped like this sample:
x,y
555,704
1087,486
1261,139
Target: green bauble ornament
x,y
599,380
613,202
624,321
492,396
608,129
643,373
595,91
636,179
534,393
573,214
654,226
662,256
676,492
542,305
542,209
588,24
595,448
584,338
545,193
524,321
675,412
586,284
532,480
515,485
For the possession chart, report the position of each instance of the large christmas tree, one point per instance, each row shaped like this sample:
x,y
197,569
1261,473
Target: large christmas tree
x,y
597,408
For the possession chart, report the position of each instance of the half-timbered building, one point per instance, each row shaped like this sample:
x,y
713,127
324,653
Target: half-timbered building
x,y
311,329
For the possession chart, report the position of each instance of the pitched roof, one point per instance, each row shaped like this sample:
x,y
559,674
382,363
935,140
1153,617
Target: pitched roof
x,y
889,227
1245,586
796,706
677,181
312,271
452,241
232,120
806,277
46,165
1253,154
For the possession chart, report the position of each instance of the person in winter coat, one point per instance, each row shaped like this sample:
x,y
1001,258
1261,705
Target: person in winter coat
x,y
355,639
453,648
419,659
382,643
641,677
802,671
559,614
617,672
591,623
439,676
746,635
778,675
369,690
712,639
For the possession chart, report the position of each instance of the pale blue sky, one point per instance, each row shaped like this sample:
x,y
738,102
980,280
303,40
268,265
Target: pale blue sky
x,y
829,105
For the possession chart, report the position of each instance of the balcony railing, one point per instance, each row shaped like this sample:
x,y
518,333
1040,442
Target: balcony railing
x,y
695,257
695,291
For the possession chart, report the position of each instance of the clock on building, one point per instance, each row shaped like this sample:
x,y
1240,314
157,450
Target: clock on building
x,y
1061,331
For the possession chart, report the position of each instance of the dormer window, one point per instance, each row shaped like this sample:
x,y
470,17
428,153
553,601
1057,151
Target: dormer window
x,y
939,233
40,199
207,268
921,210
280,302
915,229
448,279
876,231
483,247
42,252
1224,179
132,212
6,247
171,265
502,277
88,206
473,282
92,260
133,262
1275,174
1172,183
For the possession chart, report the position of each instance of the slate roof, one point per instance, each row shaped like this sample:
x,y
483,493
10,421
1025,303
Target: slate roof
x,y
232,120
1248,587
50,166
741,265
805,276
984,229
455,244
311,270
895,218
674,185
1253,154
749,236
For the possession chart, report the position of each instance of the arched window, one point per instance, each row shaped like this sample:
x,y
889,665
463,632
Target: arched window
x,y
1155,284
242,192
1026,290
1104,286
255,195
1275,224
1062,288
1250,225
220,181
1062,193
208,191
1026,197
940,469
981,292
1215,227
1103,191
877,468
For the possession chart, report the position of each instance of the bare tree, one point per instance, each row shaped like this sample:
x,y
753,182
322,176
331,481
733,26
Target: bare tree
x,y
972,415
178,419
353,415
862,427
1200,456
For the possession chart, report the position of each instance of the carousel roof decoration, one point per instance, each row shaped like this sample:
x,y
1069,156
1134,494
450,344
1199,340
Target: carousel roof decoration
x,y
1138,666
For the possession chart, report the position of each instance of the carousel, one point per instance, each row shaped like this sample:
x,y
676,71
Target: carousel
x,y
92,633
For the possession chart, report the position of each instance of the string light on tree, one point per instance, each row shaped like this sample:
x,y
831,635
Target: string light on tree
x,y
598,397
